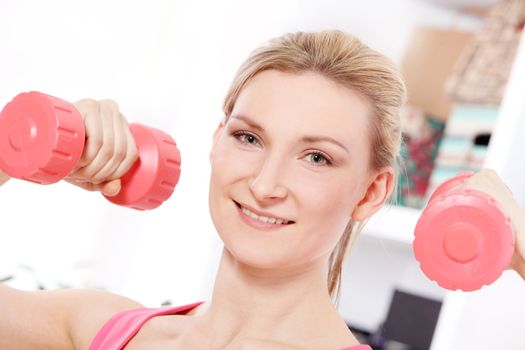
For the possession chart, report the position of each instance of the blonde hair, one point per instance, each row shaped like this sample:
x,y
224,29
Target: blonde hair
x,y
347,61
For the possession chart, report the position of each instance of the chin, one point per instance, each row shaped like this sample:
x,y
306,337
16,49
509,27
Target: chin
x,y
254,253
262,250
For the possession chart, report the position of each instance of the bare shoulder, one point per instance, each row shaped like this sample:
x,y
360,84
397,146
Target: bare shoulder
x,y
87,310
57,319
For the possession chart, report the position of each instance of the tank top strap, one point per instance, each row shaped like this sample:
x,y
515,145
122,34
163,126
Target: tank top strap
x,y
120,328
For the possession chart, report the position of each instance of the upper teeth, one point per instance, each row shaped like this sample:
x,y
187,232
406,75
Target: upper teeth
x,y
264,218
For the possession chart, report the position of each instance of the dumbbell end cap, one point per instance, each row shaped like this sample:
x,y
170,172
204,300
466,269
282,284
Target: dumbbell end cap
x,y
41,137
463,241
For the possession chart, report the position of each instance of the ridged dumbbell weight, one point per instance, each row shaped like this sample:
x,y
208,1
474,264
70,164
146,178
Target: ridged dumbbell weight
x,y
42,139
463,239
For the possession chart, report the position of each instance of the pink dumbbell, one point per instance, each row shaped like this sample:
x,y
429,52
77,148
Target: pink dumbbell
x,y
463,239
42,139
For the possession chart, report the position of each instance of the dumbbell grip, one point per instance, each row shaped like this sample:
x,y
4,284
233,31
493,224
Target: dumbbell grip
x,y
153,177
42,139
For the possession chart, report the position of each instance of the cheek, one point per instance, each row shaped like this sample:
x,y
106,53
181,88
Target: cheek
x,y
228,167
228,163
330,196
326,208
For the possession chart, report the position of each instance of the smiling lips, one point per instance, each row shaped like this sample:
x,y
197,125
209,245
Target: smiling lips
x,y
261,221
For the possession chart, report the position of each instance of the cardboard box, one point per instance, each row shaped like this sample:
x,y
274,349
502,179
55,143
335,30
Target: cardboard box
x,y
428,62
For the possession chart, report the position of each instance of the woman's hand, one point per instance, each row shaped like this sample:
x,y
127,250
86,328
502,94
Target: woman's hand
x,y
488,181
3,178
109,151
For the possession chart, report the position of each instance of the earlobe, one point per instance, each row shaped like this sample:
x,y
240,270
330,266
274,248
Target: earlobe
x,y
376,195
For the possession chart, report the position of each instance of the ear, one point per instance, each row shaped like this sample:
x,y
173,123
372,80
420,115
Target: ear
x,y
216,134
376,194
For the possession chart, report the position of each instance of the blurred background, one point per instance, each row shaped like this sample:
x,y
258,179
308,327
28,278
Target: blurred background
x,y
169,63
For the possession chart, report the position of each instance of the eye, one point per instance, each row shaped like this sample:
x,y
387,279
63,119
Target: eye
x,y
246,137
319,159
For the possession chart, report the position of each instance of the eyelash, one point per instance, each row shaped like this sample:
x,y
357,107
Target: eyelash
x,y
239,134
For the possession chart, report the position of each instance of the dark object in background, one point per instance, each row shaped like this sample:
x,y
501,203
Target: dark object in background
x,y
411,320
482,139
6,279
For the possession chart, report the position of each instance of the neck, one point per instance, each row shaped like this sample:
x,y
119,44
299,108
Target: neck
x,y
249,302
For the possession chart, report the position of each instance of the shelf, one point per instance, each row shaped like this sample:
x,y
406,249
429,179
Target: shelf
x,y
394,223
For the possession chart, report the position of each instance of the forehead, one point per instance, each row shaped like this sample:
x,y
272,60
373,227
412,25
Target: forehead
x,y
305,103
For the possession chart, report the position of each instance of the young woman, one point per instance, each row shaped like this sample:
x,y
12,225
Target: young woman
x,y
306,152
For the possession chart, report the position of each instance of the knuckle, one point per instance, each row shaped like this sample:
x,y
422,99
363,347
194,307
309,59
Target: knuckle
x,y
133,146
96,179
95,141
491,172
119,154
87,107
123,119
108,104
105,153
134,154
88,102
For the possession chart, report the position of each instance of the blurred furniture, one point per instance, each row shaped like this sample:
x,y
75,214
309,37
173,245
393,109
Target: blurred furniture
x,y
411,321
483,69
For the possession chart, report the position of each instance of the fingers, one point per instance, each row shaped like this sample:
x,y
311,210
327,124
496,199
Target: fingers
x,y
105,144
106,158
111,188
129,155
89,110
488,181
518,260
110,149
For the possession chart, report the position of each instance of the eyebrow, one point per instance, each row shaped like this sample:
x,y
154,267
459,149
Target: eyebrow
x,y
305,139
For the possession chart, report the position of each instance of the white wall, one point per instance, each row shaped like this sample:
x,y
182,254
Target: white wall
x,y
168,64
375,268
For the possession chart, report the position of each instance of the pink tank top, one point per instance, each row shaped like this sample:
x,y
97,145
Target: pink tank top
x,y
122,327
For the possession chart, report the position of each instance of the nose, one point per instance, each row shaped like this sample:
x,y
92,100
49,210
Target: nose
x,y
267,183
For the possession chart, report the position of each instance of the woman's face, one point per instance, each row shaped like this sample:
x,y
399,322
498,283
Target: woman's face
x,y
296,149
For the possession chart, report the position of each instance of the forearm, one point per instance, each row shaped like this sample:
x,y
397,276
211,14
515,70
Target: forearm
x,y
518,260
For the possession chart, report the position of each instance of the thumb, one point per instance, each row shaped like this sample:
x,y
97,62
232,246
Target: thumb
x,y
111,188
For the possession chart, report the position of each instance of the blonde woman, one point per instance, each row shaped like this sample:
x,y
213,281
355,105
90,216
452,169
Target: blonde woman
x,y
306,152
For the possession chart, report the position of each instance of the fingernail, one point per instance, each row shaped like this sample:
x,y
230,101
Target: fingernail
x,y
115,189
